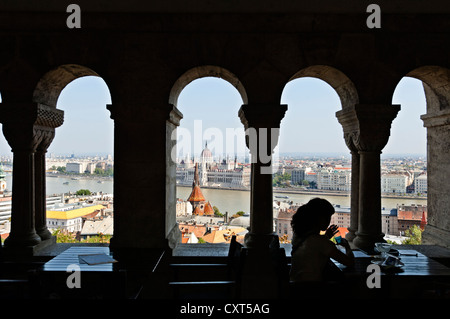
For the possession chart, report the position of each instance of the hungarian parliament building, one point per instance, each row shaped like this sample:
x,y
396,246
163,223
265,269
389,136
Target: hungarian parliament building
x,y
225,173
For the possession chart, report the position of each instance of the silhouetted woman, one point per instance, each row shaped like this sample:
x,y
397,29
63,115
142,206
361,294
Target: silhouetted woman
x,y
311,251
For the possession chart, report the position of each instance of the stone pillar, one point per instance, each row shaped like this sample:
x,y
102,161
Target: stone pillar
x,y
262,123
24,127
354,200
173,233
40,181
368,128
143,230
349,124
262,259
437,230
23,233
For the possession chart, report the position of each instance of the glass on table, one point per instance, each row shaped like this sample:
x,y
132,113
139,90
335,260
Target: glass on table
x,y
383,248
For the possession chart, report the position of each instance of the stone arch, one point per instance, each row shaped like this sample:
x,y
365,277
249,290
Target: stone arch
x,y
49,87
343,86
205,71
436,83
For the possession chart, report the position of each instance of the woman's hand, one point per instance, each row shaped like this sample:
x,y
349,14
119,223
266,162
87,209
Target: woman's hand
x,y
331,231
344,243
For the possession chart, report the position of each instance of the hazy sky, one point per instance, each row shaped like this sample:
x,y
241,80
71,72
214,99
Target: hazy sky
x,y
309,125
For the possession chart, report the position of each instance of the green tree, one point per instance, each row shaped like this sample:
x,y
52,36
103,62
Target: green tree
x,y
102,172
83,192
61,169
217,211
414,235
281,179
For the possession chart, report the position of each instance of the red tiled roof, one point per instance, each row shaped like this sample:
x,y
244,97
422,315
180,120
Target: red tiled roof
x,y
410,215
196,195
197,211
208,210
198,230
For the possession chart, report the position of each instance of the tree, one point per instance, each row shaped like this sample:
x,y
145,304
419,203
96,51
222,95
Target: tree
x,y
61,169
281,179
217,211
414,235
238,214
83,192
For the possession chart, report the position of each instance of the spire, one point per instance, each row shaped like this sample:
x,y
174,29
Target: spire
x,y
423,222
196,194
196,179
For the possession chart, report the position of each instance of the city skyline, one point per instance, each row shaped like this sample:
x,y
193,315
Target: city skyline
x,y
309,126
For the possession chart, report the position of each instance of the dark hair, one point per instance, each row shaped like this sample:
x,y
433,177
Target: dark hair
x,y
308,217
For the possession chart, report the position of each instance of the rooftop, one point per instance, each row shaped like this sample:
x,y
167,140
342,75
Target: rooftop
x,y
74,213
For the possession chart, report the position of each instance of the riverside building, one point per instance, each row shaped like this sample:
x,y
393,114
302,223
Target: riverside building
x,y
225,173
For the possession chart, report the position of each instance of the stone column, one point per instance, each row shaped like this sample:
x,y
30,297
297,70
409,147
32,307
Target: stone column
x,y
371,130
262,123
40,180
142,142
173,233
437,230
354,199
24,126
23,231
349,125
48,119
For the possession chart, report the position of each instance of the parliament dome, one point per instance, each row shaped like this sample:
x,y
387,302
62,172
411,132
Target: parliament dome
x,y
206,155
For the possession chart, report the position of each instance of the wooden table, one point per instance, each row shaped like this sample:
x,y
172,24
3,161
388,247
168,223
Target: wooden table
x,y
415,264
101,281
420,276
70,257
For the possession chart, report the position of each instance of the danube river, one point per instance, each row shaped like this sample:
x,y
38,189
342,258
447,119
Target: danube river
x,y
230,201
59,185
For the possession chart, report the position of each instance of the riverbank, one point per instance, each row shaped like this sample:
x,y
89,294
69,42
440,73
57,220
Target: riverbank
x,y
81,176
317,192
340,193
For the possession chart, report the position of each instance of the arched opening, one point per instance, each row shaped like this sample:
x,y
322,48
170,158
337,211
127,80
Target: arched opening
x,y
431,88
79,162
313,157
404,163
205,71
213,172
5,185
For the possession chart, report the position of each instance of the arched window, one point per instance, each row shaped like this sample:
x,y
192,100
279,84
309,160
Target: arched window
x,y
79,160
213,170
312,153
428,85
6,157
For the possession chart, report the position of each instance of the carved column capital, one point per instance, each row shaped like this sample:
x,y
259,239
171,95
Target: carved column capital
x,y
367,126
175,115
261,118
27,125
441,118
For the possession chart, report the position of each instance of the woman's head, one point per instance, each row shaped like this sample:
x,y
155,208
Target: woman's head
x,y
313,216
